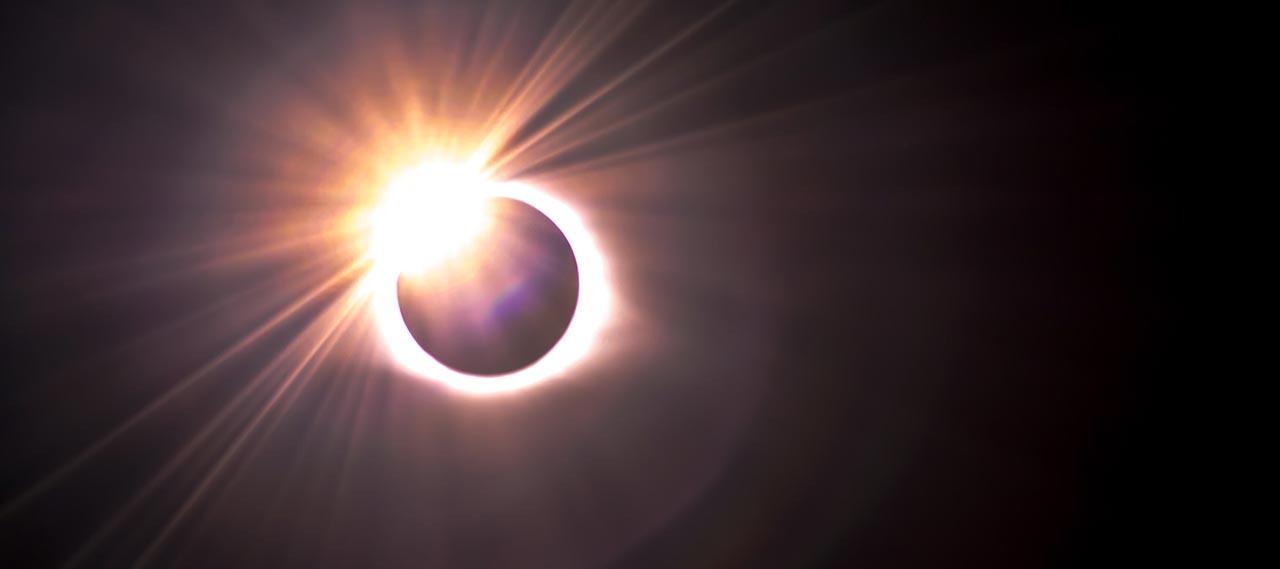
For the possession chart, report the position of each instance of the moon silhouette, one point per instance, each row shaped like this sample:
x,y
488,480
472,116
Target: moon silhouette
x,y
500,305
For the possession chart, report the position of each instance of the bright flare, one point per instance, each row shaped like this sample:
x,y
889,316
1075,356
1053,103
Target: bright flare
x,y
428,214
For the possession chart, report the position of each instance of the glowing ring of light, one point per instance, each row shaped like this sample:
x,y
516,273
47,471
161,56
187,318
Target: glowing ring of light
x,y
588,318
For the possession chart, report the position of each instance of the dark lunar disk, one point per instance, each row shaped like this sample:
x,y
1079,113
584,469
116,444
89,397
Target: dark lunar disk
x,y
500,304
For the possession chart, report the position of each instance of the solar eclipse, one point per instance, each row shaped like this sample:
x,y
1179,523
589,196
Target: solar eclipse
x,y
484,286
589,283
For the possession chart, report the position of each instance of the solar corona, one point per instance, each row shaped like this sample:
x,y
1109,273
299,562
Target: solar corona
x,y
433,217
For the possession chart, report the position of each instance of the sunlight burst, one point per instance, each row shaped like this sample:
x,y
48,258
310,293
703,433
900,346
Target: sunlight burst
x,y
431,213
428,214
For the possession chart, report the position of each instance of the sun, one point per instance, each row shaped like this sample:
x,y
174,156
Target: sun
x,y
430,214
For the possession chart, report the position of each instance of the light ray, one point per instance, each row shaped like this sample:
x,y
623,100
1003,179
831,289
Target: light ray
x,y
248,340
316,353
339,313
609,87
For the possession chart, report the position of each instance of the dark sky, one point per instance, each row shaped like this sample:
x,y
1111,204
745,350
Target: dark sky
x,y
895,277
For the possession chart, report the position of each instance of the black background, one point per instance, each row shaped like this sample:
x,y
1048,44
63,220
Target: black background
x,y
915,315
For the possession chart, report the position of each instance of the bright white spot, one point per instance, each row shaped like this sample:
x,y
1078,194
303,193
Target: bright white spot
x,y
423,228
428,214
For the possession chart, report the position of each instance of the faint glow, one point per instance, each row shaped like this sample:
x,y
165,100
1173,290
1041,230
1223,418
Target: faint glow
x,y
447,222
428,214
